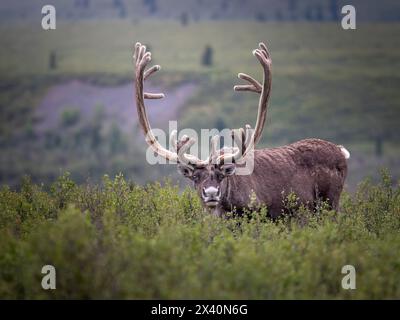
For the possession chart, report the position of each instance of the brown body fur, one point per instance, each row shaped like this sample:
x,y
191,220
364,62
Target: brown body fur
x,y
312,169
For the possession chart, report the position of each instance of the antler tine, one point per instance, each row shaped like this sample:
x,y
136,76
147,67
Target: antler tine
x,y
264,57
150,71
183,147
230,157
235,153
239,137
248,134
181,142
265,50
139,51
254,86
147,95
173,140
214,148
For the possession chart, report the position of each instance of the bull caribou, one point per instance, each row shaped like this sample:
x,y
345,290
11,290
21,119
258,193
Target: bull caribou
x,y
313,169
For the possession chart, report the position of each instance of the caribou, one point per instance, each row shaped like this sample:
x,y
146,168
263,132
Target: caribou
x,y
313,169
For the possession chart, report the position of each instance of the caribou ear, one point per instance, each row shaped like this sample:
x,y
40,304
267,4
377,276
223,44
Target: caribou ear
x,y
185,171
228,169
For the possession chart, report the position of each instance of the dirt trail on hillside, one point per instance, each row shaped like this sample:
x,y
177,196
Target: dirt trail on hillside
x,y
117,103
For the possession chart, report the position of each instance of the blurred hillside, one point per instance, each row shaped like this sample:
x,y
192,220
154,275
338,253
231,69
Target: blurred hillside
x,y
327,83
66,96
194,10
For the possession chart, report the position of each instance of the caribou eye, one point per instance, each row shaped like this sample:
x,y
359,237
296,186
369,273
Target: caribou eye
x,y
228,169
195,177
219,175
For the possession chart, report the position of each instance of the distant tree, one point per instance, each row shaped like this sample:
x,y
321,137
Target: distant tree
x,y
117,3
309,13
314,13
117,143
95,136
120,7
122,11
220,124
151,5
224,5
207,57
70,117
319,14
82,4
334,9
29,131
184,18
53,60
379,146
278,15
196,16
292,6
215,15
96,127
261,17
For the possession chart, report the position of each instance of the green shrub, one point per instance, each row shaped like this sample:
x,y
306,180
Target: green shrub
x,y
123,240
70,117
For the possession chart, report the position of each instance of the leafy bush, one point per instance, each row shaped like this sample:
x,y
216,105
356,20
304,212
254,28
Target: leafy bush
x,y
70,117
122,240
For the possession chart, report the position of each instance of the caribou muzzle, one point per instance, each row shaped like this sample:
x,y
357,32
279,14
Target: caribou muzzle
x,y
211,196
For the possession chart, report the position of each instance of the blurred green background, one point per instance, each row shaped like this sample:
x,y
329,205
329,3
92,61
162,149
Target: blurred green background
x,y
66,95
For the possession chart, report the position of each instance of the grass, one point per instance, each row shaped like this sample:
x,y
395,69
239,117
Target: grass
x,y
120,240
297,48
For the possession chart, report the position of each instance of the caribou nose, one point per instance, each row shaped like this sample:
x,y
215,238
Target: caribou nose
x,y
211,192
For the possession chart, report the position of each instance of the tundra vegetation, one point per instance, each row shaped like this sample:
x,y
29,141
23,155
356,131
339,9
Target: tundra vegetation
x,y
122,240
